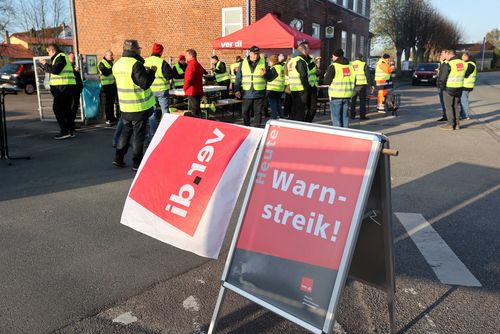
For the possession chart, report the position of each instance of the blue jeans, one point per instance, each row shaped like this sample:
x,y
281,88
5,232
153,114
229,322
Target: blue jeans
x,y
340,112
441,100
118,132
162,101
464,104
275,104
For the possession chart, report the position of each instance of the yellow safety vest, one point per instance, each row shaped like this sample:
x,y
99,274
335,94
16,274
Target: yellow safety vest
x,y
278,84
180,71
359,70
233,68
132,98
161,83
255,78
379,74
342,85
219,77
312,74
471,80
287,77
66,77
457,73
106,79
294,75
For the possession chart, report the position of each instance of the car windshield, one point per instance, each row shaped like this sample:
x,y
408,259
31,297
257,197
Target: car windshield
x,y
427,67
9,68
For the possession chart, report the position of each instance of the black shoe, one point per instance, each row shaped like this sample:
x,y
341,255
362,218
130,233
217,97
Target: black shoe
x,y
62,136
364,117
442,119
120,164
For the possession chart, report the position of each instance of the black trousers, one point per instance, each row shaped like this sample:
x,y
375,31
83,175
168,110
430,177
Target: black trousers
x,y
75,104
110,95
359,91
134,132
312,104
452,106
194,104
63,112
287,105
255,105
299,105
225,93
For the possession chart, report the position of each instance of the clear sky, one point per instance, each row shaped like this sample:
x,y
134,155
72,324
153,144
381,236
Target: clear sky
x,y
475,17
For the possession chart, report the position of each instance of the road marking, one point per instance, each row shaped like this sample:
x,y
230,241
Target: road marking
x,y
125,318
443,261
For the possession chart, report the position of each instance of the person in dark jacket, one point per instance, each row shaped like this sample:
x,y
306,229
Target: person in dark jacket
x,y
250,85
108,85
136,101
442,60
193,82
178,72
62,87
75,104
451,79
222,76
298,73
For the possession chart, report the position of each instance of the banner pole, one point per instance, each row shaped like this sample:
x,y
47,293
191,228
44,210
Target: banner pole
x,y
215,315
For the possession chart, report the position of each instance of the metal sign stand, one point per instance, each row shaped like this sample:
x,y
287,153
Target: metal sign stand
x,y
370,260
4,144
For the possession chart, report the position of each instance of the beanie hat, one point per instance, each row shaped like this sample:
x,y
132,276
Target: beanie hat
x,y
157,48
182,57
338,53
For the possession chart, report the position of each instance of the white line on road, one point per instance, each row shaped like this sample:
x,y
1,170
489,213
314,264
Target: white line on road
x,y
443,261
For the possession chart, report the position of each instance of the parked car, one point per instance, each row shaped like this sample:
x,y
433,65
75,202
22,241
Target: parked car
x,y
425,73
19,75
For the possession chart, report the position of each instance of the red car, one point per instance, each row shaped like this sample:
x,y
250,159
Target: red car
x,y
425,73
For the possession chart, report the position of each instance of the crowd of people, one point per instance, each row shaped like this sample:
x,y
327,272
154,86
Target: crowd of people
x,y
136,90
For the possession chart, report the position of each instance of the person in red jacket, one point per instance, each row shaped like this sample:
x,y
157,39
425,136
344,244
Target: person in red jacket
x,y
193,82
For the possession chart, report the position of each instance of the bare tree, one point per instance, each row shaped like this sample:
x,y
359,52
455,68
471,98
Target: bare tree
x,y
7,13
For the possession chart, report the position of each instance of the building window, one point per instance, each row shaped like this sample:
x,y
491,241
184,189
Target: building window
x,y
362,45
355,6
363,7
232,20
353,47
316,28
344,41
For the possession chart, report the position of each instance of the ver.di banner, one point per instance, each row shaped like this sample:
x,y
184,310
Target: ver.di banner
x,y
187,185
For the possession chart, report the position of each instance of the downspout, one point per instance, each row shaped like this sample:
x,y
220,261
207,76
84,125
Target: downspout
x,y
248,11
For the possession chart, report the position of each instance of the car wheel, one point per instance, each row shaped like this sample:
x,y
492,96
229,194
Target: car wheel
x,y
30,88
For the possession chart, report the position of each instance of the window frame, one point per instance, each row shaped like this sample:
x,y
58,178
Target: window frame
x,y
225,10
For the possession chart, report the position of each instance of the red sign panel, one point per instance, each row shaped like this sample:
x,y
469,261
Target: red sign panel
x,y
304,196
177,185
346,71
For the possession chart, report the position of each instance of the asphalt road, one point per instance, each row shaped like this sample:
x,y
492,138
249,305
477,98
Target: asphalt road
x,y
68,266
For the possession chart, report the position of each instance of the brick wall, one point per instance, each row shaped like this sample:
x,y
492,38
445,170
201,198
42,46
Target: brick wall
x,y
182,24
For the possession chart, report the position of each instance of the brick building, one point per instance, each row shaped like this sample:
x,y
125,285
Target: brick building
x,y
183,24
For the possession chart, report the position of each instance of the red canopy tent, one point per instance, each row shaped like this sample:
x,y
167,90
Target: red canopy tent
x,y
267,33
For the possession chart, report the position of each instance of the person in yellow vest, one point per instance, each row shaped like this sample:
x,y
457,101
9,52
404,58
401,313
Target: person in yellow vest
x,y
442,59
179,71
276,86
160,86
301,81
133,82
363,80
221,74
233,68
383,80
287,103
105,68
250,86
62,86
469,83
452,79
341,79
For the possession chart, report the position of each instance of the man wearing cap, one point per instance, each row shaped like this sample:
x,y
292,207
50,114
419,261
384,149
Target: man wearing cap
x,y
160,86
133,82
179,71
363,78
383,80
108,86
341,78
302,78
250,85
221,74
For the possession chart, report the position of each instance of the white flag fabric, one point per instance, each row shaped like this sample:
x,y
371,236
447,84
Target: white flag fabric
x,y
186,188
